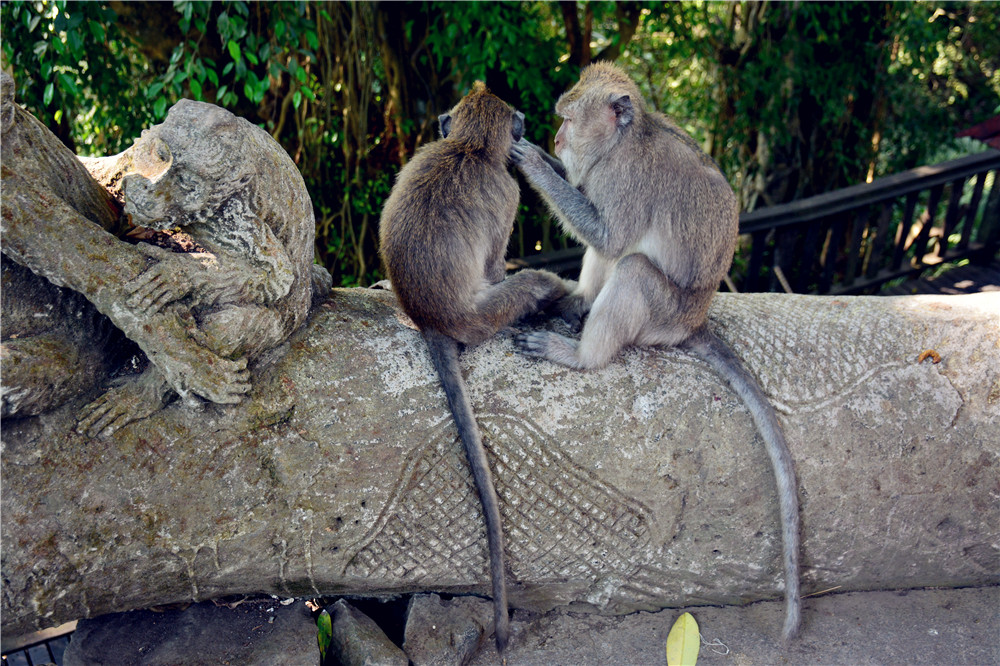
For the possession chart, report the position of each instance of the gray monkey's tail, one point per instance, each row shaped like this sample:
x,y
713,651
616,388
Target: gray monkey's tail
x,y
714,351
444,353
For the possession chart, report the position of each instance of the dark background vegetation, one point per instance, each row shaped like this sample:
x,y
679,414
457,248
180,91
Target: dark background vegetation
x,y
792,99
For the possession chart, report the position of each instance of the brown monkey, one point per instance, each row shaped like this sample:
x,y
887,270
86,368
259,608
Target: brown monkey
x,y
660,224
443,236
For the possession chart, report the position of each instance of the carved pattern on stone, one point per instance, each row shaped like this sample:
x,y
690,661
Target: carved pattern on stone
x,y
770,335
545,498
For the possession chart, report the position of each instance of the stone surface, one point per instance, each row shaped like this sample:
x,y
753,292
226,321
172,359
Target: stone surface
x,y
256,633
932,627
637,487
358,641
442,633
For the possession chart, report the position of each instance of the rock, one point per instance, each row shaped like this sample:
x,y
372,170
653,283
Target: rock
x,y
637,487
442,633
358,641
257,633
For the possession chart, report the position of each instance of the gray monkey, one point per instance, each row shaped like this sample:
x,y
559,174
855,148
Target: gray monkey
x,y
443,236
660,224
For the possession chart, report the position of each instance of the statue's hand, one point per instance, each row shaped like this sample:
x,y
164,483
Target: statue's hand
x,y
166,281
174,276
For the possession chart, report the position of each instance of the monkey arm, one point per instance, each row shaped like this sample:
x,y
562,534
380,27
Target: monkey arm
x,y
253,264
575,211
552,161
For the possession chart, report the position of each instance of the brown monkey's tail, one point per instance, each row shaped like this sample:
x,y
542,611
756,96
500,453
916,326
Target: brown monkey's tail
x,y
444,353
714,351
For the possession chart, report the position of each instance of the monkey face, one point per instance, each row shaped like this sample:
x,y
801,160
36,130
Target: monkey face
x,y
159,191
183,169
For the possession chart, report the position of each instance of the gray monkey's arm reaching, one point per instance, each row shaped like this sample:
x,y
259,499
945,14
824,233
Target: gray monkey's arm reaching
x,y
576,212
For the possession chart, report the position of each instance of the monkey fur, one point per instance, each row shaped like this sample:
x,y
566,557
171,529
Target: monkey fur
x,y
443,236
660,223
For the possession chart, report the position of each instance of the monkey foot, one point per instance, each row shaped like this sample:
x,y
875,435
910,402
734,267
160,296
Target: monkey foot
x,y
136,399
544,344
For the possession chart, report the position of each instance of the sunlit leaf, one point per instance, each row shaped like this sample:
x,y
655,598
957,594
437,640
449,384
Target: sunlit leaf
x,y
234,50
325,632
49,91
683,642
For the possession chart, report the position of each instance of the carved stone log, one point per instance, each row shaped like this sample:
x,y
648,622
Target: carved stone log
x,y
640,486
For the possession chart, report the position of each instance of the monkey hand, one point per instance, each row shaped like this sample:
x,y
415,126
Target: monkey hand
x,y
174,276
571,309
523,152
529,158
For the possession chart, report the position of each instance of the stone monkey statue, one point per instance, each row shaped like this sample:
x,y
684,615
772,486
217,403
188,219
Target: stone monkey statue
x,y
237,196
660,224
187,313
59,225
443,236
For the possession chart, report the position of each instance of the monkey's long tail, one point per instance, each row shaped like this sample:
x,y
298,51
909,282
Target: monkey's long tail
x,y
717,354
444,353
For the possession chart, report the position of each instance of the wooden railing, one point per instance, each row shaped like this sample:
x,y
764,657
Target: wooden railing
x,y
854,240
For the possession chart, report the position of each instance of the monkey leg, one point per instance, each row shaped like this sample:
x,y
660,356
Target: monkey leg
x,y
135,399
637,306
594,273
229,332
244,331
501,304
44,371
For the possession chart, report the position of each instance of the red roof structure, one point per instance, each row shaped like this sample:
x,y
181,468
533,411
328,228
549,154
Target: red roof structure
x,y
987,131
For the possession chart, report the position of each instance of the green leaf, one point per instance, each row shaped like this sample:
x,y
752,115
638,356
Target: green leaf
x,y
50,90
234,50
68,84
297,99
160,107
683,642
97,30
195,88
324,634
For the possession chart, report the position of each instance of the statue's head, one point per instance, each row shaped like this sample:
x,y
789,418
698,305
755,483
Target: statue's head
x,y
185,168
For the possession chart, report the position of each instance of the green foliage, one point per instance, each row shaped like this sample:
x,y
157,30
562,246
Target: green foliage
x,y
76,70
791,98
230,59
771,91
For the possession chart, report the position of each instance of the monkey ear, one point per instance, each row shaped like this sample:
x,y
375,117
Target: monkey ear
x,y
517,127
444,122
624,112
